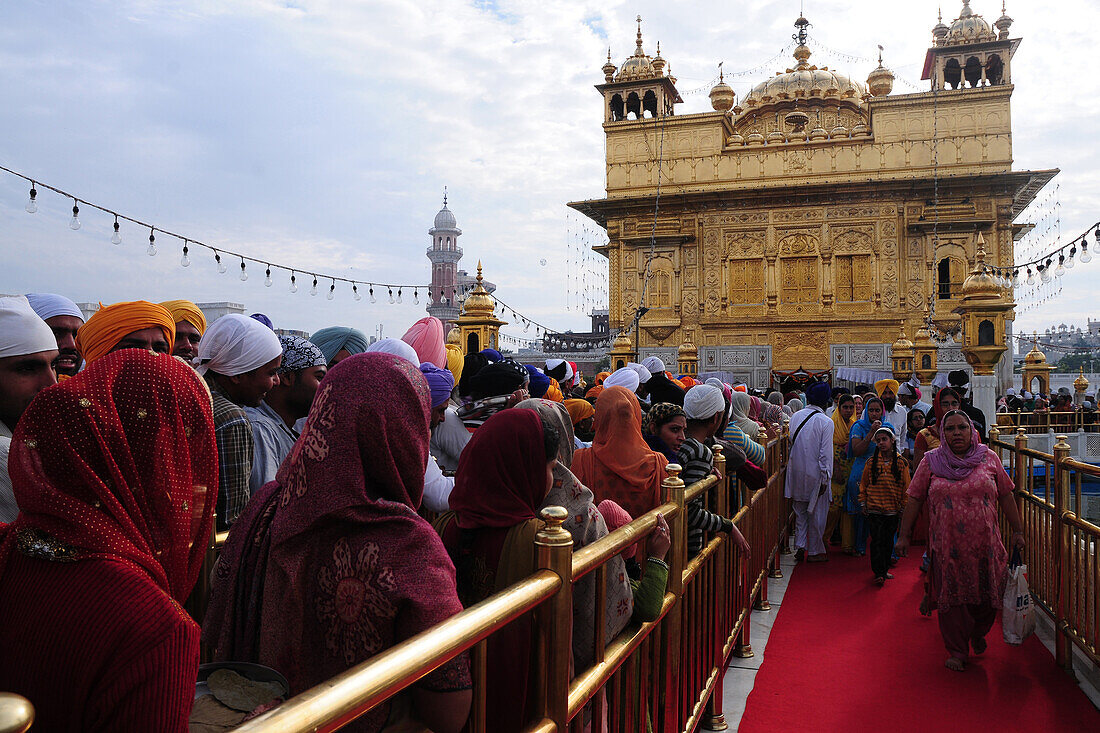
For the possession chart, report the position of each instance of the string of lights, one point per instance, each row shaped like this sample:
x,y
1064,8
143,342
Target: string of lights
x,y
189,242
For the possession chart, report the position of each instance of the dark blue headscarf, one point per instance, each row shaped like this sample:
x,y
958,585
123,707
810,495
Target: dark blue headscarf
x,y
540,382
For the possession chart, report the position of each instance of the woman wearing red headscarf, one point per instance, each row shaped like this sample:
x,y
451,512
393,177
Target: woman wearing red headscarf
x,y
505,473
330,563
619,465
110,470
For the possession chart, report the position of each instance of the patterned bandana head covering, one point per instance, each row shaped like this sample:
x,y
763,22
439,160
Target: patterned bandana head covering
x,y
579,410
334,339
501,477
299,354
426,337
440,382
185,310
539,382
264,320
48,305
112,323
21,330
120,462
661,414
235,344
491,354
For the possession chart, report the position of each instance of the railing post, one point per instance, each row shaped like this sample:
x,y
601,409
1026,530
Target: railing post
x,y
1062,649
16,713
672,640
1020,462
713,719
554,547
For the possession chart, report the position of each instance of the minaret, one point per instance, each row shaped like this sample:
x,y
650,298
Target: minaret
x,y
445,254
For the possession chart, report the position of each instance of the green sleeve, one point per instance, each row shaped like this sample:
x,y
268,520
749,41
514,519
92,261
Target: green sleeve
x,y
649,592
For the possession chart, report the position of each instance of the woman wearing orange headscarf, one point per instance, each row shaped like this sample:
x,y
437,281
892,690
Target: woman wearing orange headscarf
x,y
619,465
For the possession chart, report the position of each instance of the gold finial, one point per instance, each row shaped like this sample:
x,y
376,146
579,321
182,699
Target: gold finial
x,y
939,14
980,254
479,273
609,54
444,197
880,54
720,77
639,50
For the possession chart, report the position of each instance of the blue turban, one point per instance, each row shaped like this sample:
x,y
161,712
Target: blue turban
x,y
540,382
492,354
440,382
335,338
819,394
264,320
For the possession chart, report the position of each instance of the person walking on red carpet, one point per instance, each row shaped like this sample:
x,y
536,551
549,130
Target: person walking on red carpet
x,y
963,482
882,495
809,473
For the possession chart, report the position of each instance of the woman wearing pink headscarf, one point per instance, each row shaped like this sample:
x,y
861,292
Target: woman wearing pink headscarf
x,y
426,338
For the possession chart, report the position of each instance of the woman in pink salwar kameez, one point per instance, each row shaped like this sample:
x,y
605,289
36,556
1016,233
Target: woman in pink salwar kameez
x,y
964,483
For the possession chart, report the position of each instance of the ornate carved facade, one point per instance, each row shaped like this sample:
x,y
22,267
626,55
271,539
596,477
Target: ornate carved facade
x,y
818,212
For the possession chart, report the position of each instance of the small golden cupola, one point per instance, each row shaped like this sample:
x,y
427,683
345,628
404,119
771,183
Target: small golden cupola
x,y
640,87
478,326
880,82
722,95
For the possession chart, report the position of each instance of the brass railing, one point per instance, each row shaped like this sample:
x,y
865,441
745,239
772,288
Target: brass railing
x,y
1062,550
1045,421
666,674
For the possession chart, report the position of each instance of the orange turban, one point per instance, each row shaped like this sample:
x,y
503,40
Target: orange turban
x,y
554,392
594,393
579,410
185,310
688,382
602,376
110,324
740,388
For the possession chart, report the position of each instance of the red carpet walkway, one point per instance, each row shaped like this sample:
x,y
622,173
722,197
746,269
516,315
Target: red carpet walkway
x,y
847,656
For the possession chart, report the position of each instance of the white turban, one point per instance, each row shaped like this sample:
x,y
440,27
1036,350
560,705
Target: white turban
x,y
397,347
715,382
906,389
236,344
22,332
653,364
643,373
1011,392
554,365
625,377
48,305
704,401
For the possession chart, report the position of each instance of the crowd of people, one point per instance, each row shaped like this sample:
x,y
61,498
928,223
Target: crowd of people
x,y
127,437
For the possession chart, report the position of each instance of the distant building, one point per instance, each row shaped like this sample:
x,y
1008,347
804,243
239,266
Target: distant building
x,y
449,284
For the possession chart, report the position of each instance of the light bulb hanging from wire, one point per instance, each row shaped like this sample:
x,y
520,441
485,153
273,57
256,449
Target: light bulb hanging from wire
x,y
355,292
185,261
331,291
151,250
313,290
221,265
293,283
1070,260
391,296
399,295
244,274
32,205
74,223
416,297
1061,269
267,277
116,238
372,298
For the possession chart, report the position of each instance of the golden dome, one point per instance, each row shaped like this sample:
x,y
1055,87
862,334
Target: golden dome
x,y
969,27
687,349
880,81
980,284
902,343
479,302
923,336
1035,356
639,66
722,96
622,343
1081,383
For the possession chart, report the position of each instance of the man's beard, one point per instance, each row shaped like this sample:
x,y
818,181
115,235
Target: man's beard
x,y
69,369
889,403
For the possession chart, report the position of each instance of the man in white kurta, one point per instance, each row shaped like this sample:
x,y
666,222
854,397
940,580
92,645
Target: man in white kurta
x,y
809,473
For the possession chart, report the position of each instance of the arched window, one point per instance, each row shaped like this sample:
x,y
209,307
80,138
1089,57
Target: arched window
x,y
649,103
986,334
952,74
973,71
473,344
617,110
662,290
926,361
994,70
949,277
633,105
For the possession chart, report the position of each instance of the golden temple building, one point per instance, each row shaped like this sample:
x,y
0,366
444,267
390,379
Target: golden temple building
x,y
803,224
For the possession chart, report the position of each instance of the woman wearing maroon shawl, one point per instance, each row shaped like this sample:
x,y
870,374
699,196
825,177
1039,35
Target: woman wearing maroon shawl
x,y
110,469
330,563
964,483
504,475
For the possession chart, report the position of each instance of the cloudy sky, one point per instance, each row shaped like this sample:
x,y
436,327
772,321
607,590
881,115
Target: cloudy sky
x,y
320,134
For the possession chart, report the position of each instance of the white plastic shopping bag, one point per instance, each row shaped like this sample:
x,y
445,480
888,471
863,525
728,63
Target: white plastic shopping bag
x,y
1018,618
